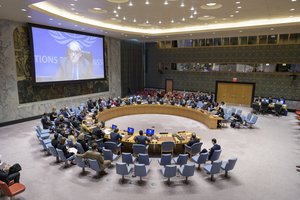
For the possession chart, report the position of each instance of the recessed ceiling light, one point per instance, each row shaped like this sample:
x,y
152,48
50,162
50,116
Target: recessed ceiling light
x,y
115,11
241,31
192,8
119,7
29,16
97,8
294,0
134,20
147,2
272,29
147,22
191,34
195,12
231,15
224,19
206,16
291,16
24,10
130,3
166,2
59,23
237,2
237,11
75,25
172,21
182,4
183,19
292,9
159,22
192,16
117,15
239,7
77,13
211,4
124,18
72,4
72,8
50,19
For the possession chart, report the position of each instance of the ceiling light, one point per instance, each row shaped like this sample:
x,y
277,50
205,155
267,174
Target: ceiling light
x,y
24,10
147,2
77,13
211,4
294,0
272,29
267,64
147,22
76,25
195,12
183,19
29,16
231,15
124,18
237,11
239,7
166,2
130,3
292,9
159,22
119,7
97,8
72,4
192,16
50,19
206,16
73,9
241,31
172,21
117,15
59,23
237,2
115,11
134,20
182,4
224,19
192,8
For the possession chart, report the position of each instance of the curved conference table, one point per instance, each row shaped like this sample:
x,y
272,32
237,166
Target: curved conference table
x,y
199,115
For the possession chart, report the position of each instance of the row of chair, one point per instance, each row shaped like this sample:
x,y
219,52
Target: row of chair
x,y
247,121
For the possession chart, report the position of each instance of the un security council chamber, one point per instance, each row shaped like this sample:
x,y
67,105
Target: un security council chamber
x,y
149,99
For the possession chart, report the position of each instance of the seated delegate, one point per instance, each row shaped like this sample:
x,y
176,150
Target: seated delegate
x,y
141,139
10,173
193,140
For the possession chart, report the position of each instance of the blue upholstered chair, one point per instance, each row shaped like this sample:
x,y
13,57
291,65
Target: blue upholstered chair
x,y
169,171
42,135
94,165
128,158
139,148
140,170
215,155
109,155
239,112
165,159
252,121
45,145
69,143
200,158
213,168
53,152
187,170
228,165
42,131
181,159
194,149
248,117
167,147
62,157
114,147
79,148
123,169
80,163
100,143
144,159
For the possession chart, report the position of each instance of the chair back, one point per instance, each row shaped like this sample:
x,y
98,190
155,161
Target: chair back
x,y
4,187
233,110
239,112
94,165
140,170
216,167
144,159
127,158
202,158
122,169
277,107
100,143
61,155
79,148
188,170
69,143
80,162
165,159
216,155
167,146
111,145
249,116
196,148
52,151
107,154
182,159
253,119
139,148
170,171
231,163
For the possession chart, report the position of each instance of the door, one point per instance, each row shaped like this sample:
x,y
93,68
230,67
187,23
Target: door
x,y
169,85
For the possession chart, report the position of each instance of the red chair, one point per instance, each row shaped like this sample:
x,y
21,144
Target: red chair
x,y
12,190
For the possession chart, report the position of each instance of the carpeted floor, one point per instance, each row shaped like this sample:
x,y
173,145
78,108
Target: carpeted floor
x,y
267,156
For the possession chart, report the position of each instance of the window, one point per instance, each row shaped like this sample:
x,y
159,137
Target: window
x,y
272,39
234,41
252,40
262,39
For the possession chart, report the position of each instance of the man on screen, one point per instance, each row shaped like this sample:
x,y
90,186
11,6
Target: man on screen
x,y
75,66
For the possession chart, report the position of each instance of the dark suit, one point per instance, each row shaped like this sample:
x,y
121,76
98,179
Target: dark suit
x,y
64,149
193,141
212,150
141,139
115,137
46,122
83,144
7,177
54,143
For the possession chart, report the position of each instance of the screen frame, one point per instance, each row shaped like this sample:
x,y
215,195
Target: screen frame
x,y
114,125
31,25
151,131
130,132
